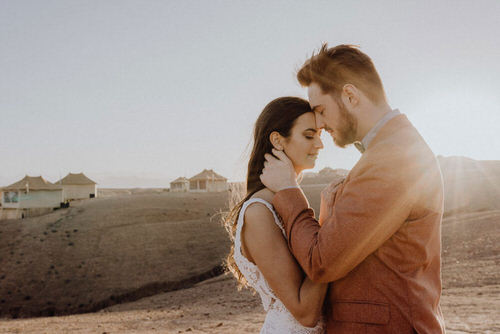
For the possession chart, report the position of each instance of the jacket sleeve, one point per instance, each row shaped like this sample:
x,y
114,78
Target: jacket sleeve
x,y
368,209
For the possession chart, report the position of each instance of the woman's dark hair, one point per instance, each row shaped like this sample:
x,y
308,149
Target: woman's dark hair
x,y
279,115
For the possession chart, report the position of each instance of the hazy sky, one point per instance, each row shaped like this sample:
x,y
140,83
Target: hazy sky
x,y
137,93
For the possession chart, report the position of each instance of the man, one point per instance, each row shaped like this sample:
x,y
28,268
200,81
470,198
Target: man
x,y
380,242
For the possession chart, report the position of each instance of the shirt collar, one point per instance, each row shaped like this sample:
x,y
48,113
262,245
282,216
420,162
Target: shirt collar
x,y
363,144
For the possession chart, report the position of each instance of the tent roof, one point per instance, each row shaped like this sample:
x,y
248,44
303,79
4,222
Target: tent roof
x,y
207,174
34,183
180,179
78,179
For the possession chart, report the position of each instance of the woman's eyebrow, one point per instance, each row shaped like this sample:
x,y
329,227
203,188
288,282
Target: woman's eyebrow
x,y
311,129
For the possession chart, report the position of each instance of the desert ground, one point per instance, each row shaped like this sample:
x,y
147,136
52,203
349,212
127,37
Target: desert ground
x,y
148,261
109,250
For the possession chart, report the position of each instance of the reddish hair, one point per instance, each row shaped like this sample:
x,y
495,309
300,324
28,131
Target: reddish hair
x,y
332,68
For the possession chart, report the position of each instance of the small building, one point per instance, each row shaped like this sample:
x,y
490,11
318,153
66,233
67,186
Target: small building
x,y
208,181
31,196
77,186
181,184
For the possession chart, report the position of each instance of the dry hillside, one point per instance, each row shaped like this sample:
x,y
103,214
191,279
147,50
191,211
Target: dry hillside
x,y
470,185
108,250
471,294
137,243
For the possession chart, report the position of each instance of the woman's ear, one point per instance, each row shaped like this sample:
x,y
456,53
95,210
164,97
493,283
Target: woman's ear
x,y
276,140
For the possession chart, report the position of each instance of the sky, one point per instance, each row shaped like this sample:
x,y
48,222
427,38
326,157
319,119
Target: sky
x,y
138,93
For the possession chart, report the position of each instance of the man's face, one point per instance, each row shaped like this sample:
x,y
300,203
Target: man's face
x,y
332,116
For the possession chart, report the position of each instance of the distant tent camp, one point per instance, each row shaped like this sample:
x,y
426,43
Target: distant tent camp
x,y
180,184
77,186
207,181
33,195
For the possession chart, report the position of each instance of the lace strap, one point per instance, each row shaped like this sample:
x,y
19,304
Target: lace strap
x,y
245,206
259,283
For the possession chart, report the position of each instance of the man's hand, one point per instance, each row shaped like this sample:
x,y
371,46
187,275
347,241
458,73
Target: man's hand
x,y
327,197
278,173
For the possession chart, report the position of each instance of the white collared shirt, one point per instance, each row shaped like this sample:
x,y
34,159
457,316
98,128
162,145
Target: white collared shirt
x,y
363,144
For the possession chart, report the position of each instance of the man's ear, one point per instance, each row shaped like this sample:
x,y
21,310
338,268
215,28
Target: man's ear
x,y
350,95
276,140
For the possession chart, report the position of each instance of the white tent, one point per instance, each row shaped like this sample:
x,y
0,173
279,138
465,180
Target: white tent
x,y
207,181
32,195
77,186
181,184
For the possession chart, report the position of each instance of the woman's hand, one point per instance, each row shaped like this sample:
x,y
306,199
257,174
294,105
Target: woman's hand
x,y
327,198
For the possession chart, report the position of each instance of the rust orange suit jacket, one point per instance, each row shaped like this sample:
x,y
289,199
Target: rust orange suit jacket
x,y
381,247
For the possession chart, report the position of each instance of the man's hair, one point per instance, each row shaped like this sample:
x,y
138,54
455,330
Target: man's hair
x,y
332,68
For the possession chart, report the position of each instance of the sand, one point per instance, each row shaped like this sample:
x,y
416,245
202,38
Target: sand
x,y
215,306
470,301
131,239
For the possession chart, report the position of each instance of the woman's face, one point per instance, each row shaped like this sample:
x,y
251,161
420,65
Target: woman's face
x,y
304,142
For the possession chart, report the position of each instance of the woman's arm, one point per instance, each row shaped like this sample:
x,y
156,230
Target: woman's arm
x,y
263,244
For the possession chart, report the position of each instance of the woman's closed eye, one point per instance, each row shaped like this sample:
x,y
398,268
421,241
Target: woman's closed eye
x,y
309,134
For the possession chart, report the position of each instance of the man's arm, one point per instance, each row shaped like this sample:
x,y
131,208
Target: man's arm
x,y
368,210
327,200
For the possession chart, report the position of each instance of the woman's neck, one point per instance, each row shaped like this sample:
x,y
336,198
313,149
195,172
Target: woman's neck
x,y
264,194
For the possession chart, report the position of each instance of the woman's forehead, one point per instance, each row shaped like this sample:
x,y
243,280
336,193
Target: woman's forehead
x,y
306,121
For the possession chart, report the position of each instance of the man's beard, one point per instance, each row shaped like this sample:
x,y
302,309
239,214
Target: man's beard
x,y
345,132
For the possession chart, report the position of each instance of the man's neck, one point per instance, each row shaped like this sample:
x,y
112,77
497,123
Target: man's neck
x,y
369,118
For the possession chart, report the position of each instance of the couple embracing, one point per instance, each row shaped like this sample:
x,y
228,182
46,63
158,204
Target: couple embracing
x,y
371,262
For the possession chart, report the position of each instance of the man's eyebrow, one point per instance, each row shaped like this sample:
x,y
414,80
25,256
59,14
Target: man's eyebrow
x,y
311,129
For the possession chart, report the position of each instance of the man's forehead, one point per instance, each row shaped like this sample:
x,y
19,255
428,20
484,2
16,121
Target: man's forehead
x,y
313,92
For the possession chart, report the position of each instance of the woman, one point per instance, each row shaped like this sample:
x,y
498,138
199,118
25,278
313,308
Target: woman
x,y
260,257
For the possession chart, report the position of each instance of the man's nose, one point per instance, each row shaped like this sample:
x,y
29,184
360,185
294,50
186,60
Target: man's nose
x,y
319,122
318,143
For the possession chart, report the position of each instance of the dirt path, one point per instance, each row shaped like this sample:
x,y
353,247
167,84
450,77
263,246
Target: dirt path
x,y
215,306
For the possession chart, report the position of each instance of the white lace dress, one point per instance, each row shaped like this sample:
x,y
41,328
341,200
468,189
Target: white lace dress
x,y
278,319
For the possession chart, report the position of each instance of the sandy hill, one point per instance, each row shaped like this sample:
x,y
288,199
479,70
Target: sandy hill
x,y
470,303
138,242
107,250
470,185
324,176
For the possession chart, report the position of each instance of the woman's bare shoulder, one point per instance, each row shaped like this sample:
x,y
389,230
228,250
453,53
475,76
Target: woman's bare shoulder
x,y
257,213
260,220
265,194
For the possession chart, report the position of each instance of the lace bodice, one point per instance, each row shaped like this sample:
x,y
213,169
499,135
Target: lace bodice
x,y
278,318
